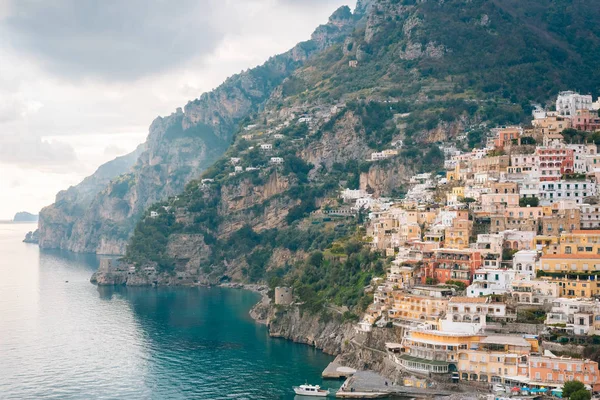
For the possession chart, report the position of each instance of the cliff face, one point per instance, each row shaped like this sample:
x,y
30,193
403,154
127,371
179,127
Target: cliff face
x,y
56,221
99,215
359,350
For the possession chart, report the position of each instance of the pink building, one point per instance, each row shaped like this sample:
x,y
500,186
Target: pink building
x,y
554,162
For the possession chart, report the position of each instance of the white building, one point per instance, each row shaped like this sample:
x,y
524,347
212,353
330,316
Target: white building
x,y
525,291
353,194
524,164
468,314
529,187
489,243
153,214
555,191
234,160
490,281
276,160
580,156
524,262
238,168
590,216
569,102
445,218
538,113
383,154
519,239
576,314
266,146
420,178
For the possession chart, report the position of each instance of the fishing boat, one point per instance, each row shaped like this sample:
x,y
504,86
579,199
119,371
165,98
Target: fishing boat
x,y
310,390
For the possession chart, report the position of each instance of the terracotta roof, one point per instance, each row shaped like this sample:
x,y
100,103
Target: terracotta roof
x,y
468,300
572,256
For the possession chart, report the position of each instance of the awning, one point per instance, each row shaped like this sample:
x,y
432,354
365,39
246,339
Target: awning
x,y
522,379
393,346
422,360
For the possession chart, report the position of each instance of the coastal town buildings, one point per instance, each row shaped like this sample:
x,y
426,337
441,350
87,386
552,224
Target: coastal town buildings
x,y
506,243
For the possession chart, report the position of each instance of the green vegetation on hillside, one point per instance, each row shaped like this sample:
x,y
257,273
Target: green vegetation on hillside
x,y
431,70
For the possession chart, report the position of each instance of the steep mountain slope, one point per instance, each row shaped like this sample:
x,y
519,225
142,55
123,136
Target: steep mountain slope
x,y
416,71
55,221
177,149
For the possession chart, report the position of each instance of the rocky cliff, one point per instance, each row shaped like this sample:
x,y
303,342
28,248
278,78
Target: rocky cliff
x,y
56,221
99,215
355,349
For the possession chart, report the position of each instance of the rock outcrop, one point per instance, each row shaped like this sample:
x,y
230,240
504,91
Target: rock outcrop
x,y
355,349
32,237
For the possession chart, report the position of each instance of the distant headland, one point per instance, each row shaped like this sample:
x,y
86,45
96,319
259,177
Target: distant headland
x,y
24,216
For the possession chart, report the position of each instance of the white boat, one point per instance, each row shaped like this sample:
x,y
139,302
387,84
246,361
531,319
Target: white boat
x,y
310,390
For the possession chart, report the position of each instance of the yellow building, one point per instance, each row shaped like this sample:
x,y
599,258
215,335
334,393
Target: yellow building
x,y
458,191
409,232
545,242
575,288
425,350
457,236
496,359
417,308
426,217
551,124
570,263
457,174
580,242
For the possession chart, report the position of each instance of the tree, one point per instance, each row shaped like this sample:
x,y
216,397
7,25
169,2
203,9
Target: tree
x,y
529,201
527,140
571,387
460,285
581,395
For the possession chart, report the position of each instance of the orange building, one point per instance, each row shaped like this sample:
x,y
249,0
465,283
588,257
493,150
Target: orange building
x,y
457,236
555,371
505,136
455,265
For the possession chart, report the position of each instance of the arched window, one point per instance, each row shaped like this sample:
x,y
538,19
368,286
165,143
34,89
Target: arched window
x,y
519,267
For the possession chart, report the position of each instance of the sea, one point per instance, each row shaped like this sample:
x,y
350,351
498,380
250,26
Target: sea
x,y
63,338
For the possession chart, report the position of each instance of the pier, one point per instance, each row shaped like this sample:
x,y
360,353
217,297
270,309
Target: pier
x,y
370,385
337,371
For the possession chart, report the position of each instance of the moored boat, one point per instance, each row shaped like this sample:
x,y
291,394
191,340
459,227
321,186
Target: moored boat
x,y
310,390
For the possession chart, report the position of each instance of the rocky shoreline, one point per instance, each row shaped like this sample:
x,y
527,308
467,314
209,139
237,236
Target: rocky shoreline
x,y
328,332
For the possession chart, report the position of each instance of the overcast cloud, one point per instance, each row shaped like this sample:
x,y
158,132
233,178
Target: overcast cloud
x,y
81,80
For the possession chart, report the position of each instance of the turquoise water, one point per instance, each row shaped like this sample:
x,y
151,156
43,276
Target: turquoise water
x,y
72,340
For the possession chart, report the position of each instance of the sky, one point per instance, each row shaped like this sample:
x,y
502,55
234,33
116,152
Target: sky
x,y
81,80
